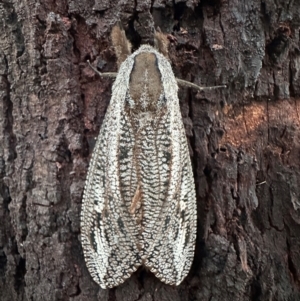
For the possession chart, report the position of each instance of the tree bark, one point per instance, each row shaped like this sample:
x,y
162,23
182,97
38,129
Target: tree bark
x,y
244,143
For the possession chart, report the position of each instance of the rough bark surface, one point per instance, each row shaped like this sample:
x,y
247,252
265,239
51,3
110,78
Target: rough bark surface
x,y
244,143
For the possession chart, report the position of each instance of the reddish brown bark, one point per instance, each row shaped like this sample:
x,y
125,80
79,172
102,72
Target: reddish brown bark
x,y
244,143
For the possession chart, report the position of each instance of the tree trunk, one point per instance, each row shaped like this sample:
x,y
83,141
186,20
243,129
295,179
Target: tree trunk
x,y
244,143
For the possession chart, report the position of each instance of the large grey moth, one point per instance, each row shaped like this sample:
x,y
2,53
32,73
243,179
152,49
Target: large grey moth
x,y
139,203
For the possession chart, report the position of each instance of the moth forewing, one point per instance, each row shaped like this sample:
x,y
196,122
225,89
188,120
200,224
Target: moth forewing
x,y
170,252
109,232
139,205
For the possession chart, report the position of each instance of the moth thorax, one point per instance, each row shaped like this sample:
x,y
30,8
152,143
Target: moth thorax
x,y
145,85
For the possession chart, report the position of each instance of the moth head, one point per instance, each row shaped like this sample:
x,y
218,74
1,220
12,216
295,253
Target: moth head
x,y
145,85
123,50
123,47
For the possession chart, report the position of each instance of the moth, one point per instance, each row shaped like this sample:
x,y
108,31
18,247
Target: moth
x,y
139,203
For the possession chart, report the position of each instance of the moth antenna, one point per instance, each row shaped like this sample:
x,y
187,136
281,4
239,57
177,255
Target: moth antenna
x,y
121,44
181,82
161,43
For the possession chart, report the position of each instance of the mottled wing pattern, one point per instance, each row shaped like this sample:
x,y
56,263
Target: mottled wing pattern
x,y
128,171
153,161
108,231
170,202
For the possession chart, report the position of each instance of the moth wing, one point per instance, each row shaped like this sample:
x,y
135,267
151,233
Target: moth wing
x,y
170,227
108,231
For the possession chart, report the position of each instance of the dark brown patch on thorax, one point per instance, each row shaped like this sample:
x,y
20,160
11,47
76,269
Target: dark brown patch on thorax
x,y
145,85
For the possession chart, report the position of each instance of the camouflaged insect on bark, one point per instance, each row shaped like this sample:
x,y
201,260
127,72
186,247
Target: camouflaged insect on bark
x,y
139,204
